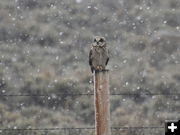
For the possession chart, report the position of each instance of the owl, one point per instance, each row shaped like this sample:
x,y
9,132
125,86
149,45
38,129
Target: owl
x,y
98,55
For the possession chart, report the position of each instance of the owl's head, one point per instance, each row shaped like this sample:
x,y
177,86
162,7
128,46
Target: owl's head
x,y
99,41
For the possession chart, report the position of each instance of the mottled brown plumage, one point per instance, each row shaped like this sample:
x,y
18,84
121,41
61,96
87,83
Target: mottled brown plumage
x,y
98,55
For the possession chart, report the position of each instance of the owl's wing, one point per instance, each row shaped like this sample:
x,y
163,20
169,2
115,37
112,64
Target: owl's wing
x,y
107,60
90,57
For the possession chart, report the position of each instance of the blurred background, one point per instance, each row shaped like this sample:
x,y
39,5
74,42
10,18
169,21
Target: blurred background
x,y
44,48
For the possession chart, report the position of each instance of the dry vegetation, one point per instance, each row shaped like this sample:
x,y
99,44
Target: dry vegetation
x,y
44,48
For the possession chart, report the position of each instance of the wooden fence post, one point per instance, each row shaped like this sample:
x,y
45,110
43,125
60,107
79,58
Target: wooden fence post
x,y
102,105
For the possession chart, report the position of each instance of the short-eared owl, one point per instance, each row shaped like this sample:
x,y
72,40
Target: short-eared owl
x,y
99,54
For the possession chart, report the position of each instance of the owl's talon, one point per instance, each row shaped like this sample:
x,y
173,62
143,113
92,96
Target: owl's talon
x,y
101,68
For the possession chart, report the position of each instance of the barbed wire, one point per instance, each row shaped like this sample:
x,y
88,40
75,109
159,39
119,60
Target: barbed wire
x,y
142,94
89,94
50,129
46,95
77,128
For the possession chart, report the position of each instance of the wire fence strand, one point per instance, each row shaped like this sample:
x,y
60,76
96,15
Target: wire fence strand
x,y
79,128
89,94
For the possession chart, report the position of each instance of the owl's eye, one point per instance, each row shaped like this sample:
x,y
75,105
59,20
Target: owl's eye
x,y
101,40
94,40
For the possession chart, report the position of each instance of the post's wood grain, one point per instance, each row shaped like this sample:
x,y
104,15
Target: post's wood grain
x,y
102,105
